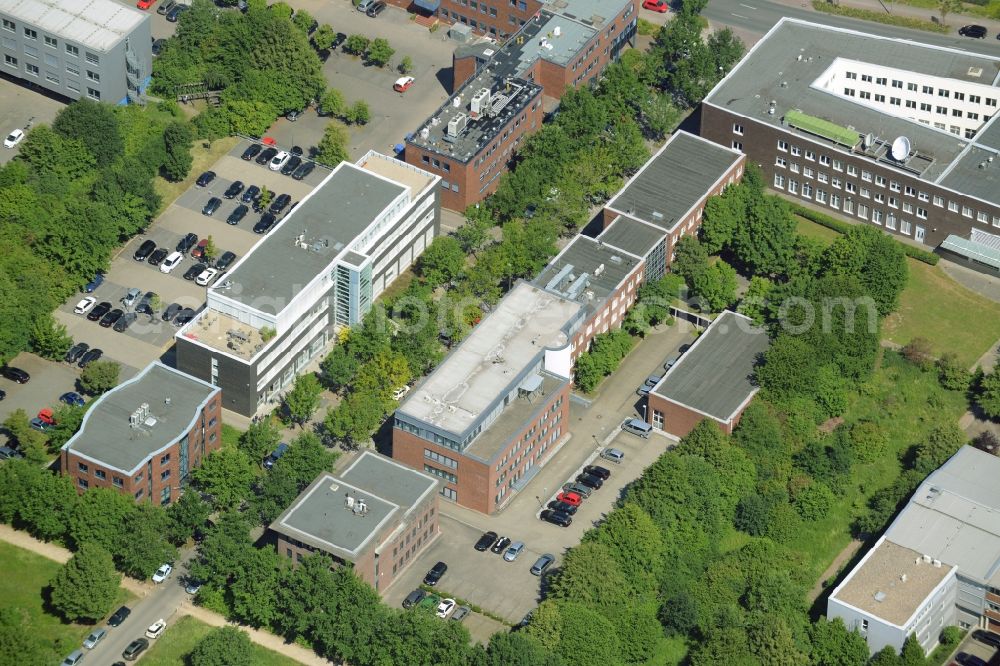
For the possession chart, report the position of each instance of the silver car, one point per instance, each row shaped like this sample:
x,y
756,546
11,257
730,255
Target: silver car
x,y
542,563
95,637
514,551
461,613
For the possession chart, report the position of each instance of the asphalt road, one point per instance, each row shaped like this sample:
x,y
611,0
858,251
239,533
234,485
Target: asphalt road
x,y
163,602
758,16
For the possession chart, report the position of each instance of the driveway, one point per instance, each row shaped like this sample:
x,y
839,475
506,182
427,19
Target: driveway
x,y
507,588
19,103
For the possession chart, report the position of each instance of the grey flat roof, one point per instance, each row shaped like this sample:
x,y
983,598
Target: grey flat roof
x,y
673,180
784,65
560,49
976,251
320,517
975,174
106,435
954,516
337,211
586,271
631,235
891,582
714,375
486,364
488,444
96,24
989,134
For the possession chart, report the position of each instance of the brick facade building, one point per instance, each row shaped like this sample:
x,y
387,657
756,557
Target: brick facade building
x,y
376,516
145,436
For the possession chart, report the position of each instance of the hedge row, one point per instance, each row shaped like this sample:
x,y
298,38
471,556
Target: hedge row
x,y
868,15
841,227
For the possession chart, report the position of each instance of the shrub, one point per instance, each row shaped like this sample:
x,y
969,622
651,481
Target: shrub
x,y
356,44
952,375
842,227
868,441
918,352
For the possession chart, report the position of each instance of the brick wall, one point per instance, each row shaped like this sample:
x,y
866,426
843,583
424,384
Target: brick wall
x,y
679,420
612,314
462,70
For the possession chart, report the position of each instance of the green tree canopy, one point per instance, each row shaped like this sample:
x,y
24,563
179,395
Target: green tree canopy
x,y
86,587
223,646
303,400
99,377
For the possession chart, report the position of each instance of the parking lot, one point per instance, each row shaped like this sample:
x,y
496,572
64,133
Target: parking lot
x,y
507,588
971,649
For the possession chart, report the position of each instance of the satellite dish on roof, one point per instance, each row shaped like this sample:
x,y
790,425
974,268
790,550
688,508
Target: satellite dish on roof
x,y
869,140
900,149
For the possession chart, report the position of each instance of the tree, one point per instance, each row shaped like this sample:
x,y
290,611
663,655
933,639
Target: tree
x,y
868,441
691,258
875,259
259,439
265,198
442,261
86,587
223,646
517,649
941,443
332,103
225,474
753,515
987,394
31,443
324,37
586,636
303,20
405,65
147,546
187,515
211,251
359,113
356,44
99,377
339,368
952,374
831,644
885,657
356,418
912,654
813,502
754,301
303,400
379,52
177,138
946,7
716,285
49,339
636,544
332,148
99,518
94,124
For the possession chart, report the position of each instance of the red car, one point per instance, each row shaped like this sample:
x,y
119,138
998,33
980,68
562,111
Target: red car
x,y
660,6
47,416
403,84
145,4
198,250
570,498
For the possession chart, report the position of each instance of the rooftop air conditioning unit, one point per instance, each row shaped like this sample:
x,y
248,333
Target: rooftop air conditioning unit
x,y
480,102
457,124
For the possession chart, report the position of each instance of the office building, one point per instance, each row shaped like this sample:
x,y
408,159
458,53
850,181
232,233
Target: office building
x,y
143,437
376,516
320,268
883,131
90,49
937,565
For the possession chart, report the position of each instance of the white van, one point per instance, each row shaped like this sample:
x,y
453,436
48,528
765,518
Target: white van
x,y
637,427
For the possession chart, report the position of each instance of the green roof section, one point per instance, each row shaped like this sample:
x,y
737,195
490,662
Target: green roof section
x,y
823,128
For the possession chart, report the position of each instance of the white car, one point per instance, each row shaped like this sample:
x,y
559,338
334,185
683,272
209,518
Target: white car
x,y
171,262
13,138
206,276
83,307
445,608
400,393
156,628
162,573
278,161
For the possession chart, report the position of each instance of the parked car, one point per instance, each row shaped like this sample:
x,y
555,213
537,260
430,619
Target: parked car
x,y
966,659
291,165
99,311
364,5
434,575
304,170
251,152
293,115
564,507
158,256
95,637
578,488
653,379
602,473
400,392
642,391
171,262
485,541
170,311
976,31
166,6
15,374
125,321
156,629
500,546
614,455
461,613
73,659
162,573
279,204
238,214
225,260
139,645
211,206
266,155
183,317
250,195
144,250
119,616
296,151
206,277
157,46
275,456
3,394
76,351
198,251
6,453
376,9
72,398
14,138
589,481
194,271
39,424
514,551
109,319
266,222
570,498
233,190
174,15
205,178
403,83
542,563
83,307
91,356
91,286
193,586
637,427
659,6
414,598
556,518
145,305
131,297
188,242
278,161
445,608
988,637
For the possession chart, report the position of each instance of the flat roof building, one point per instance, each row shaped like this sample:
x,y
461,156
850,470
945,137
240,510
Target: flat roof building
x,y
375,516
145,436
938,563
94,49
321,267
884,130
713,379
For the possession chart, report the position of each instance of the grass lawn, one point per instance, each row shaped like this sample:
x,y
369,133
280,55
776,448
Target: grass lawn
x,y
25,576
172,648
203,158
230,436
931,305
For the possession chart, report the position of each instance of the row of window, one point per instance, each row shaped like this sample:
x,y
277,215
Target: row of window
x,y
441,474
51,42
440,459
912,104
927,90
51,77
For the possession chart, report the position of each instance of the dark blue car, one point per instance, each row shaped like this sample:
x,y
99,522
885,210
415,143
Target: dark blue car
x,y
95,283
72,398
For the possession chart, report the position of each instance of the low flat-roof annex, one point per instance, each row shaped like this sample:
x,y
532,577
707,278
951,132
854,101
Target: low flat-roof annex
x,y
106,435
631,235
